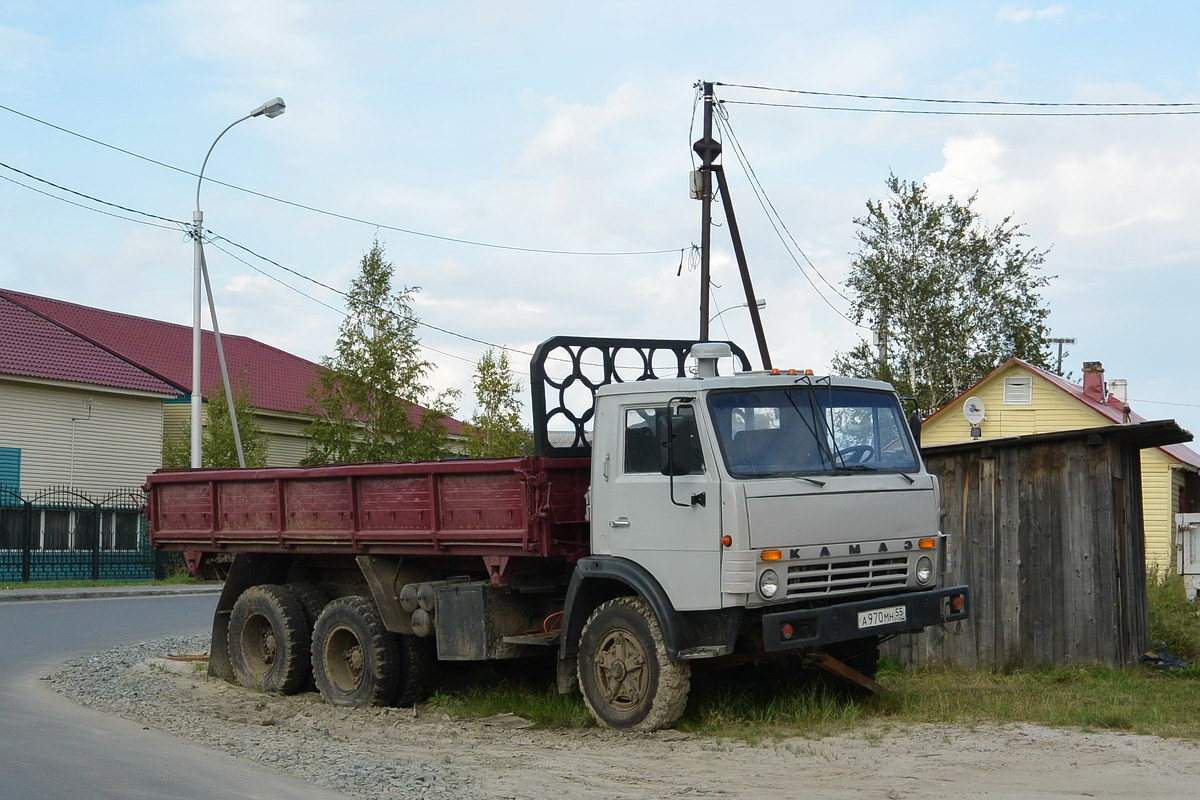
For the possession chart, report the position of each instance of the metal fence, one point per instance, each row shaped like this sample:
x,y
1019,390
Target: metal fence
x,y
66,534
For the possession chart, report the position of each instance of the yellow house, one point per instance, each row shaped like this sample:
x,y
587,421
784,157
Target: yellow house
x,y
1018,398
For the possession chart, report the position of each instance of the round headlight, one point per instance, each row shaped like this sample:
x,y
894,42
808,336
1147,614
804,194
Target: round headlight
x,y
924,569
768,583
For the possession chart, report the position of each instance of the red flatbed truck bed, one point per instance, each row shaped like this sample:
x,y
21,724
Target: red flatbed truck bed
x,y
507,507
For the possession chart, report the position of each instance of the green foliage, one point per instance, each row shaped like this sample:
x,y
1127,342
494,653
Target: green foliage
x,y
1173,620
367,393
217,445
495,430
951,296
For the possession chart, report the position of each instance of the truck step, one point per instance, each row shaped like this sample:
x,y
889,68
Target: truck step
x,y
540,639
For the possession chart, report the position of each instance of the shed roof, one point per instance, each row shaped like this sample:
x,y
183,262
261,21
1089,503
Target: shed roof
x,y
34,347
281,381
1120,414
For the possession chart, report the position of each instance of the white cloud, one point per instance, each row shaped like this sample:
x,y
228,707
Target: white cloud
x,y
576,126
1019,15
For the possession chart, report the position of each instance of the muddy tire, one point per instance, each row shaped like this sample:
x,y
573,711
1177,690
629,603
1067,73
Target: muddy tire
x,y
269,640
626,677
355,659
312,599
417,662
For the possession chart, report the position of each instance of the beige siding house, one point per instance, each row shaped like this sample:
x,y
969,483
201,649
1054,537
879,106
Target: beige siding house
x,y
1019,399
71,413
96,439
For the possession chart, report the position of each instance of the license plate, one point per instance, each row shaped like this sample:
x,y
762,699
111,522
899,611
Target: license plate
x,y
882,616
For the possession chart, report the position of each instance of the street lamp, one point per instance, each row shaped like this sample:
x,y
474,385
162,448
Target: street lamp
x,y
271,109
760,302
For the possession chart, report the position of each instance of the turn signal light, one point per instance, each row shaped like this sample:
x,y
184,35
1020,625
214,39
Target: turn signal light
x,y
958,602
787,630
927,544
771,555
727,541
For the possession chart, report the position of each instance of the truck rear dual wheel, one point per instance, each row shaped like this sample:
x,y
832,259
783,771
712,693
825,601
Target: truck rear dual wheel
x,y
627,679
269,640
357,662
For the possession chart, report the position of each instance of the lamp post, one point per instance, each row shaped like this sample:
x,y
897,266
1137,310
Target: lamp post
x,y
271,109
760,303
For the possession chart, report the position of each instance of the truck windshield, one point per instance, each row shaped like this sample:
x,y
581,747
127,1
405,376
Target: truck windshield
x,y
810,429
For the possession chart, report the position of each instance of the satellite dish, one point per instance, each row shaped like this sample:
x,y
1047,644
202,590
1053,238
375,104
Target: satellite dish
x,y
974,410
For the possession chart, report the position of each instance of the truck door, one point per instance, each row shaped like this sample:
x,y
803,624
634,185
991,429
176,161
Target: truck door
x,y
633,515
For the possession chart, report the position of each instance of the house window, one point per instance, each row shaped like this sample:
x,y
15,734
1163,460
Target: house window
x,y
1018,390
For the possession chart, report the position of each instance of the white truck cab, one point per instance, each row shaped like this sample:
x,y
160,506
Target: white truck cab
x,y
798,487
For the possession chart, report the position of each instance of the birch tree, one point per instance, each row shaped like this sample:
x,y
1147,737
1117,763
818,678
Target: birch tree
x,y
948,295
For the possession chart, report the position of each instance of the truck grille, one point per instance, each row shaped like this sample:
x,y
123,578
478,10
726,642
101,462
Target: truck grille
x,y
804,580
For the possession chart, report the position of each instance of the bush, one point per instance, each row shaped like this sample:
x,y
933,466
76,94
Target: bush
x,y
1173,620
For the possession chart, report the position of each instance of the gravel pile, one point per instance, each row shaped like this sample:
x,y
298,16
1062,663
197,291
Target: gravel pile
x,y
343,749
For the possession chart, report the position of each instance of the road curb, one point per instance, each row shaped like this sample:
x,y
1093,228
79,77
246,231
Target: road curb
x,y
101,592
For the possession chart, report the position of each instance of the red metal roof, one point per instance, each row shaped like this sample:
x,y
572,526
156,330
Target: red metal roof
x,y
275,380
1117,412
34,347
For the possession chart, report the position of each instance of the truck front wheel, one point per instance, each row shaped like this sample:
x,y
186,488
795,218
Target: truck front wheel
x,y
356,661
626,677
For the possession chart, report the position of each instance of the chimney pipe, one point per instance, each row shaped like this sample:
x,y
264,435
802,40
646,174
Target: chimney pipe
x,y
1093,380
1120,390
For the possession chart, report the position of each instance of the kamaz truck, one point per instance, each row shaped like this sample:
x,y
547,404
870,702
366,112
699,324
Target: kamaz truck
x,y
670,514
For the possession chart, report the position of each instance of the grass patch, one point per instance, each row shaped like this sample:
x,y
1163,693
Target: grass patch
x,y
523,687
171,580
1173,620
757,703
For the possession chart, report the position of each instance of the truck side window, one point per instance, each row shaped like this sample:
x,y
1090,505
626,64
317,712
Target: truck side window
x,y
641,440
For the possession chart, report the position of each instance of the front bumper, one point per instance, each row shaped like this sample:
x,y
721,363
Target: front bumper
x,y
812,628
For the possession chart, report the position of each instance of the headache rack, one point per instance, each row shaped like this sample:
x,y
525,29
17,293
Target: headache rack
x,y
566,371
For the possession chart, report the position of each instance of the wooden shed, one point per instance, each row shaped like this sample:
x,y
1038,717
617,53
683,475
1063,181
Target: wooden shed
x,y
1047,531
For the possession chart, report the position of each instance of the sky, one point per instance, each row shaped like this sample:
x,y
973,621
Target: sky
x,y
567,126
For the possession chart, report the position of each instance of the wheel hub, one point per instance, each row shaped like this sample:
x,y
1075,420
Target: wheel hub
x,y
621,670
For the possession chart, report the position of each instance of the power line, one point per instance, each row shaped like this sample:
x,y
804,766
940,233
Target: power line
x,y
211,241
1164,403
88,197
87,208
721,123
901,98
927,112
337,215
337,291
740,152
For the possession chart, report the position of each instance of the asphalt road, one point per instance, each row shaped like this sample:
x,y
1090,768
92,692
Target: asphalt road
x,y
51,747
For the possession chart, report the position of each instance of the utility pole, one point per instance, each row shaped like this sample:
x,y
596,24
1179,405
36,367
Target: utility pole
x,y
708,149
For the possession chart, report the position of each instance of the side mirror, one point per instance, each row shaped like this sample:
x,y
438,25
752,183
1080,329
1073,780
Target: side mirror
x,y
914,425
679,450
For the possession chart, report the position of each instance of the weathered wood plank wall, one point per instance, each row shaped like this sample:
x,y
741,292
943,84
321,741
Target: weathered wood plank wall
x,y
1047,531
